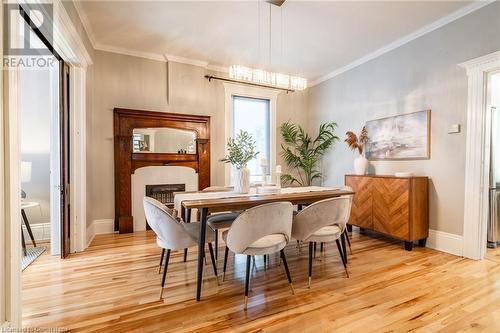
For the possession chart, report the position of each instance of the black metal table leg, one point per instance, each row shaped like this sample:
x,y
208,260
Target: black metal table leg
x,y
187,219
201,251
28,227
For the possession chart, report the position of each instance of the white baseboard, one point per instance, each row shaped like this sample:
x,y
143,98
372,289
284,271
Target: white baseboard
x,y
41,232
445,242
98,227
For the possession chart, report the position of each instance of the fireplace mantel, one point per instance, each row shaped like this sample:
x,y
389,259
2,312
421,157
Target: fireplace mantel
x,y
126,161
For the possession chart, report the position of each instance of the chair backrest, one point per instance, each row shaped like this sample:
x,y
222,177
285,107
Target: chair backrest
x,y
260,221
333,211
350,196
217,189
170,232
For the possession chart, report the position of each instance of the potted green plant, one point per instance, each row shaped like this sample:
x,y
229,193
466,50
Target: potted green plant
x,y
240,151
358,143
302,153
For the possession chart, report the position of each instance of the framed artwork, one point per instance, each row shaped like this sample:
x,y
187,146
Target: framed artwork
x,y
401,137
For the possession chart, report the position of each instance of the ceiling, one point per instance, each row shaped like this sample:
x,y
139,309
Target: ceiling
x,y
312,40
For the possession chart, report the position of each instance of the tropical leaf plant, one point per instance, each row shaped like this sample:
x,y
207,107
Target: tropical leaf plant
x,y
302,153
354,142
240,150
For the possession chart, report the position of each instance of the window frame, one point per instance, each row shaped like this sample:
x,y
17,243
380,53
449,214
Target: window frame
x,y
237,90
268,129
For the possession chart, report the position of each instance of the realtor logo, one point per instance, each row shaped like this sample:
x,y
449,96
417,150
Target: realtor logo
x,y
19,37
23,27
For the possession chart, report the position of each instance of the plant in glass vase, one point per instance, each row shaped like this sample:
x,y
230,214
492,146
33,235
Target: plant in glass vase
x,y
358,143
302,153
240,151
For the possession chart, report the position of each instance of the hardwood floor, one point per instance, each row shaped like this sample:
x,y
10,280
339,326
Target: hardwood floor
x,y
114,287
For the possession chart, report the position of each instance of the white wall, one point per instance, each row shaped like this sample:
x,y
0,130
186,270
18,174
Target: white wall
x,y
422,74
36,105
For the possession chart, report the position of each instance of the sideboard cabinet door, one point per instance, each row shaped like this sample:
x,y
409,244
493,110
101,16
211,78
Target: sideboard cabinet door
x,y
391,206
361,212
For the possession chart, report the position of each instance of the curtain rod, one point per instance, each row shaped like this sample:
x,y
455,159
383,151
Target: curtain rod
x,y
212,77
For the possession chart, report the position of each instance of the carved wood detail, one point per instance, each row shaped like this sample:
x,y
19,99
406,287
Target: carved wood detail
x,y
126,162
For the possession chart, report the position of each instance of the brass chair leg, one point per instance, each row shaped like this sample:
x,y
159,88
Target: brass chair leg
x,y
311,249
287,271
342,257
164,274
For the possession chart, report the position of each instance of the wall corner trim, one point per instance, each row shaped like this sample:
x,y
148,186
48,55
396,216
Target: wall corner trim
x,y
99,227
445,242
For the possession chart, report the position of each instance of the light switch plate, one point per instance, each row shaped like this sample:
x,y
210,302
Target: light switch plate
x,y
455,128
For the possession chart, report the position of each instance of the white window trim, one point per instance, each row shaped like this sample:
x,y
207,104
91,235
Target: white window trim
x,y
477,160
231,90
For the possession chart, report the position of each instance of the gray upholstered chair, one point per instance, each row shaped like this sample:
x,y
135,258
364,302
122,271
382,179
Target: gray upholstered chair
x,y
222,220
261,230
323,221
172,234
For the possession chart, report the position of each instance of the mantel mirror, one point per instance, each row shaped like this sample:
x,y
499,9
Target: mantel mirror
x,y
163,140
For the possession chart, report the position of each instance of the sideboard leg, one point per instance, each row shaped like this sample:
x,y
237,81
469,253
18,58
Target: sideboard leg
x,y
422,242
408,246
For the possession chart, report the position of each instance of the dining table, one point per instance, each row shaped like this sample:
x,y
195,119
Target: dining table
x,y
213,202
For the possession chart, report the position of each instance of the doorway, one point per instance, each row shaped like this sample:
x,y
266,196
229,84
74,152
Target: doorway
x,y
477,161
45,132
493,109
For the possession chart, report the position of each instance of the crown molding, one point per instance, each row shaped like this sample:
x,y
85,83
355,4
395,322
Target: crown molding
x,y
476,5
406,39
188,61
85,22
133,53
215,68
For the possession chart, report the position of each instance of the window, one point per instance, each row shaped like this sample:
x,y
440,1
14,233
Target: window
x,y
253,115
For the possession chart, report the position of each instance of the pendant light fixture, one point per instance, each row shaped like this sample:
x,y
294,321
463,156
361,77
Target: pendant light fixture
x,y
263,77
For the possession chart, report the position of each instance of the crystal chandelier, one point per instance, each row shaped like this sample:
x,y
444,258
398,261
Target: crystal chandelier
x,y
259,76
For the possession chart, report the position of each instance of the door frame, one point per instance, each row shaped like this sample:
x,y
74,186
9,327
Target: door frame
x,y
68,43
477,160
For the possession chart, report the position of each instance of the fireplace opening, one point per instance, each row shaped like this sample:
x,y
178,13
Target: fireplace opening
x,y
164,193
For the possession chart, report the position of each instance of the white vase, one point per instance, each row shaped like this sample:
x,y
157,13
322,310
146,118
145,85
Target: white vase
x,y
360,165
242,180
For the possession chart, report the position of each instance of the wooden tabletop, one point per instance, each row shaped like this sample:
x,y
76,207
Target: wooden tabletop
x,y
238,203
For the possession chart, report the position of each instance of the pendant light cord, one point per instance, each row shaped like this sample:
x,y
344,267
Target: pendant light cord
x,y
270,34
282,25
258,30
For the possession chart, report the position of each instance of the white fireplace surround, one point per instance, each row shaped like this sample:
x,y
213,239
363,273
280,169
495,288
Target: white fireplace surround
x,y
157,175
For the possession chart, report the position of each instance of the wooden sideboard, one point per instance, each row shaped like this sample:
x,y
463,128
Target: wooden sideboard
x,y
394,206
